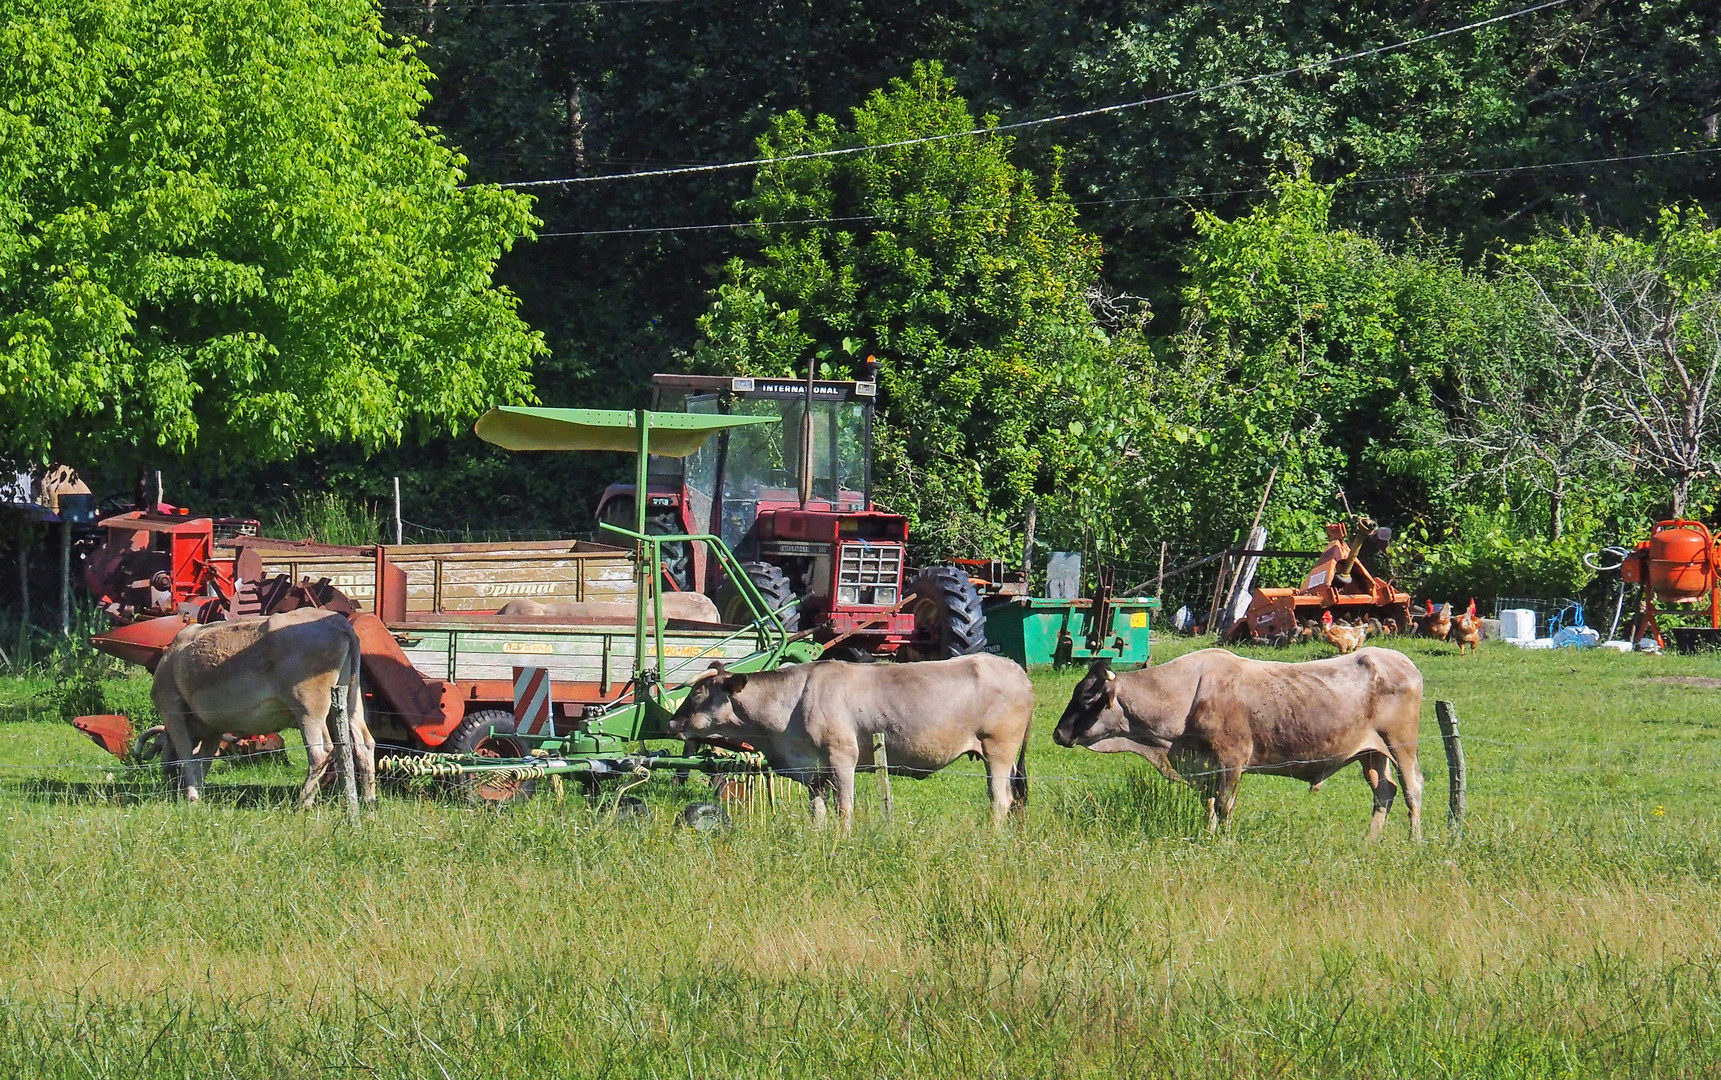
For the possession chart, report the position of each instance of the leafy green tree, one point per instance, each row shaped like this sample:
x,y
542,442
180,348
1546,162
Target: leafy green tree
x,y
223,227
1641,318
945,260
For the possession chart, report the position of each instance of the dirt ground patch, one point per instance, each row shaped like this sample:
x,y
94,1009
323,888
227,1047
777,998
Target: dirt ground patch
x,y
1701,681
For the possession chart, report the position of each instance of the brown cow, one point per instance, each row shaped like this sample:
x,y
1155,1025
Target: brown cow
x,y
692,606
1208,717
259,675
815,722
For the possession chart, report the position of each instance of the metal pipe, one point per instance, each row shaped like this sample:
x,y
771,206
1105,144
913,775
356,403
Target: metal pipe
x,y
644,575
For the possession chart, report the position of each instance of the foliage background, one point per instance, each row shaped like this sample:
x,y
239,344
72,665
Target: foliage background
x,y
1326,273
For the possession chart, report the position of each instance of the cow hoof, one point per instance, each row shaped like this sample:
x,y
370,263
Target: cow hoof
x,y
703,817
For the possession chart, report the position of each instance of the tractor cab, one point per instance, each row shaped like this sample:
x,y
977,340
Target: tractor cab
x,y
794,501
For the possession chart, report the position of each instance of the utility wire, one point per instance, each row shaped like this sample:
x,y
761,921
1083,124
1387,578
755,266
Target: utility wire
x,y
1247,80
1401,178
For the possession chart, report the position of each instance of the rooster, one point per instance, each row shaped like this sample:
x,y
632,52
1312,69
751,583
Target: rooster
x,y
1469,630
1345,639
1438,623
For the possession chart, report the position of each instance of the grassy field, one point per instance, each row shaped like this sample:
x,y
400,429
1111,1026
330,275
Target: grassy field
x,y
1573,931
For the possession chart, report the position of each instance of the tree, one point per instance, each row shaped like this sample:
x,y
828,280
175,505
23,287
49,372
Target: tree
x,y
1527,414
945,260
1642,319
223,227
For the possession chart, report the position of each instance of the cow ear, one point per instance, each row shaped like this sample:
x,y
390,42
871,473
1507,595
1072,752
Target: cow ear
x,y
734,684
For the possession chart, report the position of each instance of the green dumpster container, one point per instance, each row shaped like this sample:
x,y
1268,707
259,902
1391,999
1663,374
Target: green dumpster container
x,y
1034,631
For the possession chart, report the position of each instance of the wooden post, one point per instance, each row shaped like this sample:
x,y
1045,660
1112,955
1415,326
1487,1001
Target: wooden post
x,y
160,496
881,769
397,523
1218,595
65,574
343,739
1159,582
1028,539
1447,714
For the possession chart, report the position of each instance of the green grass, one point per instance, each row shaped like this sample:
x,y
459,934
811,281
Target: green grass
x,y
1574,931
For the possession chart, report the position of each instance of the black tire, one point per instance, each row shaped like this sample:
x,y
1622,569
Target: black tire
x,y
947,615
703,817
773,586
489,733
854,654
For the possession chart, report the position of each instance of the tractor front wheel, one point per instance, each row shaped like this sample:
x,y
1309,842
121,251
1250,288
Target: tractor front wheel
x,y
948,621
773,586
489,733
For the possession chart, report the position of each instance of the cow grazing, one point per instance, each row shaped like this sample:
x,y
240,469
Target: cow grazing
x,y
260,675
1208,717
815,722
692,606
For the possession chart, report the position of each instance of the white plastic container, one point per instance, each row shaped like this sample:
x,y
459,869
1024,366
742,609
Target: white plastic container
x,y
1517,624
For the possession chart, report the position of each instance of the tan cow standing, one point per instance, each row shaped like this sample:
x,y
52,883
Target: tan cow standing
x,y
1210,716
815,722
260,675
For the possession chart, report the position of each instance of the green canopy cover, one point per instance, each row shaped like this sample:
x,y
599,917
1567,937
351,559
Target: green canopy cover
x,y
672,434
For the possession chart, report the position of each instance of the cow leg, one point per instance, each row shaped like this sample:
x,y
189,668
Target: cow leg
x,y
845,783
817,785
319,753
1224,796
1376,772
999,776
364,760
1410,776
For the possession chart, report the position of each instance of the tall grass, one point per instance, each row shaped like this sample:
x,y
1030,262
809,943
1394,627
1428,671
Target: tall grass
x,y
1573,931
325,516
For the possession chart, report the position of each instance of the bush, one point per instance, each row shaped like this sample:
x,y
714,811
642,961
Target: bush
x,y
1484,557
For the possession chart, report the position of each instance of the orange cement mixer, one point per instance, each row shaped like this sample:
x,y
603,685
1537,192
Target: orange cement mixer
x,y
1678,564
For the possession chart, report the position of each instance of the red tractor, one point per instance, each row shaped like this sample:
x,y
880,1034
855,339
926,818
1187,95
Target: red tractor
x,y
794,502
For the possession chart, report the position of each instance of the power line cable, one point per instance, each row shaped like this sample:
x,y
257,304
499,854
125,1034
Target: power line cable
x,y
1401,178
1247,80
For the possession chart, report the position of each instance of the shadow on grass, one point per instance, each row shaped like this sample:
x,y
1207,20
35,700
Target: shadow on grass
x,y
136,792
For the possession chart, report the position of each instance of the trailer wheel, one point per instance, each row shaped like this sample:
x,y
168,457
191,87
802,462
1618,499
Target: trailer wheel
x,y
947,616
489,733
773,586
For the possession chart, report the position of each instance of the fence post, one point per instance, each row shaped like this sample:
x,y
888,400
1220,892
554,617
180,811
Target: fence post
x,y
881,769
1447,715
343,739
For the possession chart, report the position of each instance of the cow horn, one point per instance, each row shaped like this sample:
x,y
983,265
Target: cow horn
x,y
1111,676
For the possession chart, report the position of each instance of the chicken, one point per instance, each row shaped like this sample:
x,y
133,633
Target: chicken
x,y
1438,623
1375,627
1345,639
1469,632
1390,626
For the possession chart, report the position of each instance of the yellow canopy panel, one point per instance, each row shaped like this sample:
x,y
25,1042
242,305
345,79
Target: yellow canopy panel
x,y
671,434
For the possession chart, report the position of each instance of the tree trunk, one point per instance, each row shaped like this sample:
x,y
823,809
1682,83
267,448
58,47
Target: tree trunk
x,y
1557,510
1681,492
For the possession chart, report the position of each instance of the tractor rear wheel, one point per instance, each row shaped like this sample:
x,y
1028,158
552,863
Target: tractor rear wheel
x,y
489,733
947,616
773,586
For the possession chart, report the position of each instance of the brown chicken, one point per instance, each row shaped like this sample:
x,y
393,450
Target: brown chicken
x,y
1467,631
1438,623
1345,639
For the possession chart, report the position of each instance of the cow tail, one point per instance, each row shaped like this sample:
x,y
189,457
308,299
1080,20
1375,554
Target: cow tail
x,y
1019,775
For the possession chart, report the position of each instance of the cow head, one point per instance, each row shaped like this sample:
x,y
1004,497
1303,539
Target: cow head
x,y
1093,712
710,705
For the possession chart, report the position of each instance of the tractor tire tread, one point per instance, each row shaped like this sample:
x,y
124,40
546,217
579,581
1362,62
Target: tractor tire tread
x,y
964,623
